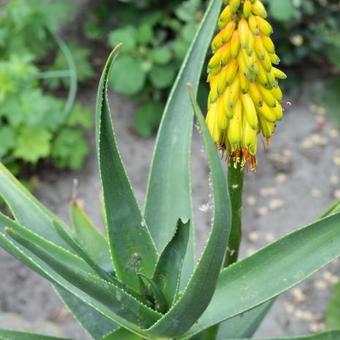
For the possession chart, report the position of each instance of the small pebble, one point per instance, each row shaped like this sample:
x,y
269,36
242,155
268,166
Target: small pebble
x,y
253,236
316,327
290,308
298,295
333,133
303,315
276,204
330,278
314,140
251,200
281,178
337,194
281,162
269,191
320,284
269,237
262,211
316,193
334,179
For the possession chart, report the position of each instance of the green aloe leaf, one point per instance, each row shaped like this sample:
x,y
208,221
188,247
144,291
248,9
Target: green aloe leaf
x,y
131,245
195,299
31,213
245,325
27,210
150,288
122,334
91,320
82,253
108,299
96,324
169,266
59,252
271,271
169,188
89,237
13,335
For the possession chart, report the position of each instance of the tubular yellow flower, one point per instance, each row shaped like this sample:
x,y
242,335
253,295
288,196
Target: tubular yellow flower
x,y
244,98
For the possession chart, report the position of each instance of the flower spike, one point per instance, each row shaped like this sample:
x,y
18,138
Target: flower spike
x,y
245,97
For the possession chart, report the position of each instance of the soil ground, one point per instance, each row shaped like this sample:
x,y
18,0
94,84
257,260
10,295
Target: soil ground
x,y
297,178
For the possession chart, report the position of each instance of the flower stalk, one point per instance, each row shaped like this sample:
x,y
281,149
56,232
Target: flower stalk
x,y
235,185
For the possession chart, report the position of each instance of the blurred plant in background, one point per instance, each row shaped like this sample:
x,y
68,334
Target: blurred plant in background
x,y
35,65
157,35
35,124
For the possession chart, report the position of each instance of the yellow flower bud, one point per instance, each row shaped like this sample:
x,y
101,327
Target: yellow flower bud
x,y
244,98
258,9
247,9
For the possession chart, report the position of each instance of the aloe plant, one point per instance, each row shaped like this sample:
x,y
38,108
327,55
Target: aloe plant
x,y
141,280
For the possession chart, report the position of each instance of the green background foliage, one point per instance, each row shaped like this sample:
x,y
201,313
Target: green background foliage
x,y
156,36
36,124
155,41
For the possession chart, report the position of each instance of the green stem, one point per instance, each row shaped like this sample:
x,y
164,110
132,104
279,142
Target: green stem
x,y
235,185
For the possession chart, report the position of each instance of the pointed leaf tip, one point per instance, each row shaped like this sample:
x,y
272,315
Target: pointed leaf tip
x,y
132,248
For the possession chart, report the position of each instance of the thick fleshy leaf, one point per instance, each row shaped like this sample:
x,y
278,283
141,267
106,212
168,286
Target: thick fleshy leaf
x,y
122,334
154,294
246,324
13,335
59,252
195,299
243,326
96,324
30,212
271,271
90,238
77,306
169,266
132,248
118,304
169,188
82,253
27,210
